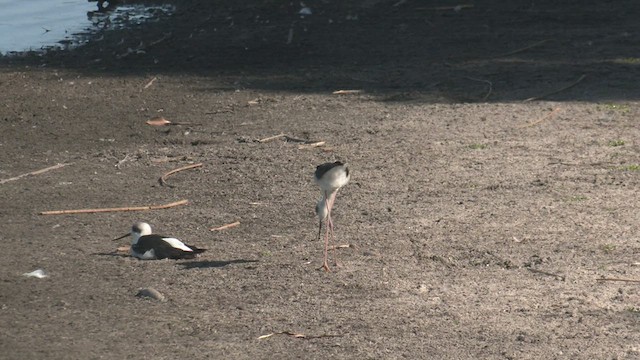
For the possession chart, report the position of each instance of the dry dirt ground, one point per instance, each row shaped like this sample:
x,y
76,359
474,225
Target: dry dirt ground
x,y
481,225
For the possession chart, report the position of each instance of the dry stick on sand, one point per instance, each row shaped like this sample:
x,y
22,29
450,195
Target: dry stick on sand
x,y
311,145
557,91
522,49
549,115
224,227
296,335
150,83
271,138
163,178
616,279
546,273
347,92
37,172
486,82
133,208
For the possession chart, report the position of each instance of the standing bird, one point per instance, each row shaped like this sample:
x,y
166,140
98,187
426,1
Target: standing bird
x,y
330,177
148,246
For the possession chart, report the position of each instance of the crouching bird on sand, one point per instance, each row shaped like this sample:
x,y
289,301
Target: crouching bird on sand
x,y
148,246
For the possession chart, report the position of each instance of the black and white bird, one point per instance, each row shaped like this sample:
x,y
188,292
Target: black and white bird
x,y
148,246
330,177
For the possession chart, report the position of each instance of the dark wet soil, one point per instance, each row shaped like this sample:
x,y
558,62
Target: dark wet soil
x,y
479,224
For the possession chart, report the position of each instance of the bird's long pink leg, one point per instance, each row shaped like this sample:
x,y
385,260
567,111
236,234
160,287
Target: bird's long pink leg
x,y
330,202
325,264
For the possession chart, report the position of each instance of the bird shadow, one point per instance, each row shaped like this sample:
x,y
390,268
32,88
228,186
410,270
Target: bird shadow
x,y
115,254
213,264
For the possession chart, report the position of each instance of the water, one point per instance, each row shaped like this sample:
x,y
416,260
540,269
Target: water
x,y
34,25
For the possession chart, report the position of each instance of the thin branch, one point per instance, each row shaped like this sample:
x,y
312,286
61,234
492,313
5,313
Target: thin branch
x,y
132,208
549,115
311,145
227,226
37,172
522,49
271,138
163,178
347,92
616,279
150,83
486,82
557,91
546,273
297,335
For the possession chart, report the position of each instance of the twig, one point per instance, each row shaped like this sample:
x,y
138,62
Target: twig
x,y
296,335
616,279
291,138
347,92
455,8
311,145
549,115
37,172
134,208
343,246
546,273
271,138
224,227
126,157
557,91
163,178
486,82
150,82
522,49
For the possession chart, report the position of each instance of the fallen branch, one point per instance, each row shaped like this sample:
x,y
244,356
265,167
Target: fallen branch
x,y
549,115
37,172
486,82
271,138
150,82
296,335
311,145
557,91
347,92
224,227
160,121
546,273
163,178
616,279
343,246
522,49
443,8
134,208
292,139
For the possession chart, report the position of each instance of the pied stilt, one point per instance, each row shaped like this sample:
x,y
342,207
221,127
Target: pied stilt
x,y
148,246
330,177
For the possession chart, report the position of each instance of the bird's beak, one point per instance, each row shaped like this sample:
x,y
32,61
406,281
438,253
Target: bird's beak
x,y
123,236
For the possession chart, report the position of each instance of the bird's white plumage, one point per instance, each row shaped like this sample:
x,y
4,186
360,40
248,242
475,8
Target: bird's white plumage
x,y
175,243
321,209
334,179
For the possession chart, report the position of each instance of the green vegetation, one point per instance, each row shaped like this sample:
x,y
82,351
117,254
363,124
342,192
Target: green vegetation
x,y
578,198
478,146
632,167
607,248
623,108
616,142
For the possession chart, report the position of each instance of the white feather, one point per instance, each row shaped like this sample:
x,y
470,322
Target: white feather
x,y
175,243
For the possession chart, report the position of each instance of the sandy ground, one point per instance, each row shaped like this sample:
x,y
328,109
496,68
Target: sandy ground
x,y
479,225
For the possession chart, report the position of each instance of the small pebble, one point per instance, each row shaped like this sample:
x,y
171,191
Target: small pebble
x,y
151,293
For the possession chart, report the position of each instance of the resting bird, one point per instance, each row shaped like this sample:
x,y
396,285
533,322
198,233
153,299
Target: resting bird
x,y
148,246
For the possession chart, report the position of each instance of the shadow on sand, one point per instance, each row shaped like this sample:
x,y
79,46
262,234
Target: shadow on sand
x,y
213,264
